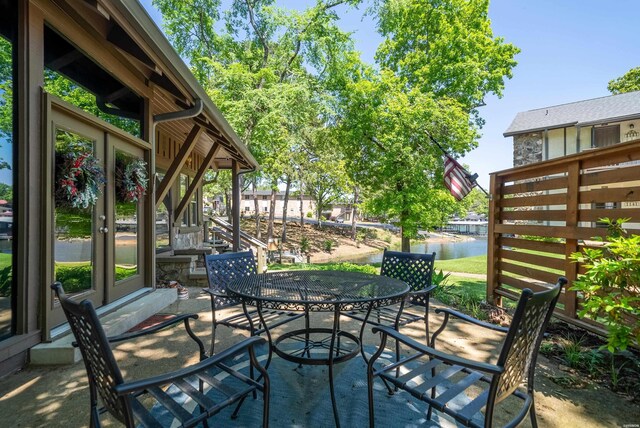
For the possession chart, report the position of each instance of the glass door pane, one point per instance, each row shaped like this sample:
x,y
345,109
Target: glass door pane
x,y
74,191
126,239
7,168
127,185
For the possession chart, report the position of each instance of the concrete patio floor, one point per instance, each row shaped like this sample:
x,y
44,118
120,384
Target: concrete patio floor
x,y
58,395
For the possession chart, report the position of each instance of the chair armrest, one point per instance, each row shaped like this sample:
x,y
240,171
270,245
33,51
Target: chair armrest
x,y
214,292
447,312
142,384
161,326
472,320
427,350
426,290
152,329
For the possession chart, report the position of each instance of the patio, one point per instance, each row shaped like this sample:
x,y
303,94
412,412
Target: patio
x,y
58,396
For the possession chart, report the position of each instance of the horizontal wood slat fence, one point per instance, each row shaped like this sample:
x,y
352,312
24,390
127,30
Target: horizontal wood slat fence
x,y
541,213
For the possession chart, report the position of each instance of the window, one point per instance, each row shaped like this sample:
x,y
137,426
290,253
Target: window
x,y
190,215
163,224
604,136
246,208
8,173
193,210
182,190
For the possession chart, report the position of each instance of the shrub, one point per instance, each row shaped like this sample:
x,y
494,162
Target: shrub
x,y
305,246
5,281
327,245
611,285
74,278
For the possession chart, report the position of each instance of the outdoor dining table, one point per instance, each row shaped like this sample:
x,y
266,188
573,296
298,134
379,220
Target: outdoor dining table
x,y
317,291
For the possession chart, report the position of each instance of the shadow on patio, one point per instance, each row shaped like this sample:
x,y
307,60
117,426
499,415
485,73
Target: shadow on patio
x,y
58,396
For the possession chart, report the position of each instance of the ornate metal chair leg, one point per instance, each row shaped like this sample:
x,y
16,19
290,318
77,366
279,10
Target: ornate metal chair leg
x,y
532,413
213,327
95,418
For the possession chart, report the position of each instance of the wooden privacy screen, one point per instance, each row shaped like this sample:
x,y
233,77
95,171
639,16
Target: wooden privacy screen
x,y
541,213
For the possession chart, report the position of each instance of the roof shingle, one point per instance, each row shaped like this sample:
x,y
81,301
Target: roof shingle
x,y
587,112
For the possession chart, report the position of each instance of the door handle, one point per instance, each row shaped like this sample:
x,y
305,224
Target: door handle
x,y
103,230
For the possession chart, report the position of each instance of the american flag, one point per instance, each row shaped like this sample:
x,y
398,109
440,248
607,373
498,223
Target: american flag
x,y
457,179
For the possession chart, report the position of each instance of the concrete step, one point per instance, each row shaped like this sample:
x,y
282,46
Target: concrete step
x,y
198,273
116,322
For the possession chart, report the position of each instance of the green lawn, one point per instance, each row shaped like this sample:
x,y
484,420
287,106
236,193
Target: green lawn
x,y
5,260
455,285
475,264
472,287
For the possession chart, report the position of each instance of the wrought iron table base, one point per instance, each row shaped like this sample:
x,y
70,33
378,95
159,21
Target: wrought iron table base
x,y
316,291
340,346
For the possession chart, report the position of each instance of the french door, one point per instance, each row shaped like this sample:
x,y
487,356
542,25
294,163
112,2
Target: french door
x,y
97,236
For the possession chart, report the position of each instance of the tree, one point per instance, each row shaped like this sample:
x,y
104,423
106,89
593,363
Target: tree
x,y
476,201
628,82
325,183
438,61
263,66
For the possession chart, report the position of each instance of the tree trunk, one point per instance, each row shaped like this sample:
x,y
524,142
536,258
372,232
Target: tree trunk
x,y
272,213
284,209
406,242
319,214
227,204
354,213
256,207
301,207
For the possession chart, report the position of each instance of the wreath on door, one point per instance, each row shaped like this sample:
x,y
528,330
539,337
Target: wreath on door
x,y
79,179
131,179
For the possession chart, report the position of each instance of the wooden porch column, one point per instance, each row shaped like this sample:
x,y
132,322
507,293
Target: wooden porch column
x,y
571,245
493,241
197,179
235,203
178,162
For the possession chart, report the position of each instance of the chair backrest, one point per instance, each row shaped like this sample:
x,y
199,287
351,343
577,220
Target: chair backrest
x,y
102,369
413,268
224,268
520,348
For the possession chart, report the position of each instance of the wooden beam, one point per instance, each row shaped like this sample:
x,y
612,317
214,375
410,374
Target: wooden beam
x,y
178,162
197,179
120,39
65,60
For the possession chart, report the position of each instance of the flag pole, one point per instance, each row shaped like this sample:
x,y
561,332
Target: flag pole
x,y
471,178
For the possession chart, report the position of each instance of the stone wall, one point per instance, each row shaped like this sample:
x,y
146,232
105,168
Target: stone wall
x,y
527,148
188,239
180,268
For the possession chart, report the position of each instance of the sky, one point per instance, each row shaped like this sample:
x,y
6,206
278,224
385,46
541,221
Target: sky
x,y
570,50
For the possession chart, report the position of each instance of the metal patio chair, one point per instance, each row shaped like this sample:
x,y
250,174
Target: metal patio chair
x,y
142,402
441,379
414,269
221,270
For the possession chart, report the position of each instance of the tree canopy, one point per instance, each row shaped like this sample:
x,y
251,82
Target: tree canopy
x,y
628,82
294,88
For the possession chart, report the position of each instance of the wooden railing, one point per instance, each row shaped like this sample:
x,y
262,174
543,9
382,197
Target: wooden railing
x,y
541,213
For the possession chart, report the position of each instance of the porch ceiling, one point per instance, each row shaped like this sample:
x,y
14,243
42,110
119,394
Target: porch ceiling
x,y
127,32
179,129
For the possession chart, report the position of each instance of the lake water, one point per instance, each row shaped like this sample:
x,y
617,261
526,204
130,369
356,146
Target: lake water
x,y
444,250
